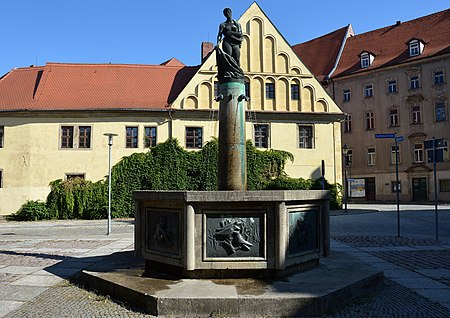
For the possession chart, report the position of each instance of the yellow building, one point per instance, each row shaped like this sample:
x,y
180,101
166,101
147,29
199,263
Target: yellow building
x,y
53,118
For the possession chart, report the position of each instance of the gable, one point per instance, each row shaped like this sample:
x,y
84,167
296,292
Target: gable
x,y
266,57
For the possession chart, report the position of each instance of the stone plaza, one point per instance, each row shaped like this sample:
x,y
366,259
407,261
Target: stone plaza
x,y
39,263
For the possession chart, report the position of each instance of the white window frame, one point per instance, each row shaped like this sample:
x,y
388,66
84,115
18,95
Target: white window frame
x,y
370,120
414,81
393,154
416,114
418,152
346,95
265,139
368,90
392,86
394,120
438,79
371,156
414,48
442,109
365,60
348,123
309,143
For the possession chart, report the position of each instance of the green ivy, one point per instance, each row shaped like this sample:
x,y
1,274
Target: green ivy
x,y
31,211
167,166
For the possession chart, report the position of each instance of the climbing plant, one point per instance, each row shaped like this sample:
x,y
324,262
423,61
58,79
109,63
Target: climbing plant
x,y
168,166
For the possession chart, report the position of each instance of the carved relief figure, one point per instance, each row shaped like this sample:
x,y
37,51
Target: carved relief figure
x,y
234,235
163,234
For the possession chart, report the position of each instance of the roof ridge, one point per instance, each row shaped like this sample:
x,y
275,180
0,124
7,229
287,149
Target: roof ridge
x,y
408,22
111,65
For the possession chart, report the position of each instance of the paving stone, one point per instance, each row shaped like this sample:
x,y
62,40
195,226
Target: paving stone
x,y
420,283
401,273
19,269
438,295
435,273
6,306
20,293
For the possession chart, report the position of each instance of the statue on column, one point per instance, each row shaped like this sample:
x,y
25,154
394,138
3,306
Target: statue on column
x,y
228,57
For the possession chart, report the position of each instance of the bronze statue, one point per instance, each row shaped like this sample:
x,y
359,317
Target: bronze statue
x,y
228,57
232,36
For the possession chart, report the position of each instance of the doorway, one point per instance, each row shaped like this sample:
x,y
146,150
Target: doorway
x,y
370,189
419,188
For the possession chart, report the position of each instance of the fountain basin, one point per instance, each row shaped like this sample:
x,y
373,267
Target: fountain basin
x,y
217,234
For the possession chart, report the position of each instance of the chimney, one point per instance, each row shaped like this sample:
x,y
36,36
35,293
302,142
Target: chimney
x,y
207,48
398,23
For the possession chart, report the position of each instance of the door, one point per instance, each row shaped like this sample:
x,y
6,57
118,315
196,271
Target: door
x,y
370,189
419,188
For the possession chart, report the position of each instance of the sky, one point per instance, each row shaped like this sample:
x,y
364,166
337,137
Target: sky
x,y
152,31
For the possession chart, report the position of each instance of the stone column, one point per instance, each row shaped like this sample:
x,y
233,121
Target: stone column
x,y
232,174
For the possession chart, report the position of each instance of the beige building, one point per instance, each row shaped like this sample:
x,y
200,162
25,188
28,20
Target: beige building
x,y
53,118
393,80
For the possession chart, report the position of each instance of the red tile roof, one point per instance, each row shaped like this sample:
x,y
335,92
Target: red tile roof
x,y
388,44
321,54
60,86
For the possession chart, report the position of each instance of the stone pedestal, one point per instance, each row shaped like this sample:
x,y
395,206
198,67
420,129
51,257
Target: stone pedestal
x,y
232,233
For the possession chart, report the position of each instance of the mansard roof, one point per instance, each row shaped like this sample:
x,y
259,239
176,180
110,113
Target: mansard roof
x,y
63,86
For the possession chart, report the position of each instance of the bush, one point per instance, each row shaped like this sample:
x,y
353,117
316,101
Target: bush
x,y
286,183
32,211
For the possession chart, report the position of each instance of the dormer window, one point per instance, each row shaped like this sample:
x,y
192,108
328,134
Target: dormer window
x,y
415,47
366,59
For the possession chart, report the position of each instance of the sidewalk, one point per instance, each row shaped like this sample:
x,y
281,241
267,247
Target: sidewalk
x,y
34,256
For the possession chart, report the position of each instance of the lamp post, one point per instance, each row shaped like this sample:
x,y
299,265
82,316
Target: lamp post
x,y
110,143
345,155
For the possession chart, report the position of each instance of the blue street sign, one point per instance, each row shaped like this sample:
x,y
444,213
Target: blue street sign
x,y
399,138
384,135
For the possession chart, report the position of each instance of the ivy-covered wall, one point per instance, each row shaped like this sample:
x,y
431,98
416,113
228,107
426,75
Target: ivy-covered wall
x,y
166,166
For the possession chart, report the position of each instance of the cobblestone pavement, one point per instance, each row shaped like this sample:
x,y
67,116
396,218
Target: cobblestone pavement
x,y
37,259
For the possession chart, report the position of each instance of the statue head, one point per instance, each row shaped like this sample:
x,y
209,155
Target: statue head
x,y
227,12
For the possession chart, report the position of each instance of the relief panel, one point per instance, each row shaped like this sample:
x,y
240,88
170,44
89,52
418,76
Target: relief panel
x,y
303,231
163,231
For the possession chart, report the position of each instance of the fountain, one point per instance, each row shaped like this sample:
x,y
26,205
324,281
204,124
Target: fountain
x,y
223,253
231,232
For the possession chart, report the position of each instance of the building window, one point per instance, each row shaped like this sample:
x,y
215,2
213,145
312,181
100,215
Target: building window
x,y
396,187
418,153
444,185
416,114
371,156
66,136
440,111
216,88
306,136
84,137
393,154
261,135
414,48
414,82
131,137
247,88
270,90
368,90
347,95
72,176
1,178
150,137
438,77
392,86
348,123
349,158
194,137
2,136
393,118
370,121
365,60
295,92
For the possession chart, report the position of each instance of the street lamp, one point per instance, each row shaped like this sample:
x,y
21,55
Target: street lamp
x,y
345,155
110,143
